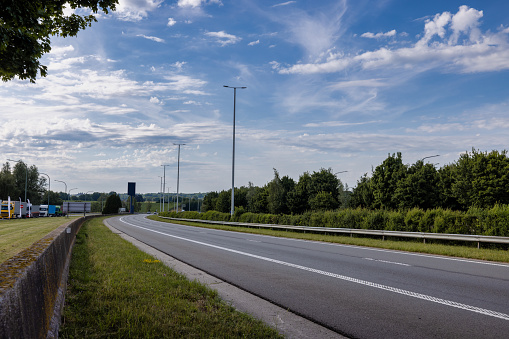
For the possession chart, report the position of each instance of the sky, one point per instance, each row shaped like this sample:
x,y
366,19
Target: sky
x,y
330,84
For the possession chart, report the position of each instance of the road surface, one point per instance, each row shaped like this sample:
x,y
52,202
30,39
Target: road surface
x,y
358,292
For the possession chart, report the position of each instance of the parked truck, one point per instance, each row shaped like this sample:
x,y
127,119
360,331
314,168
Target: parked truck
x,y
50,211
7,210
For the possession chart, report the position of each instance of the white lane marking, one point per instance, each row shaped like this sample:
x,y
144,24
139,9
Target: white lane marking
x,y
345,278
388,262
481,262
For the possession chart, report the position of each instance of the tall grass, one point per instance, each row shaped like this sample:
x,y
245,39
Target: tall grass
x,y
115,290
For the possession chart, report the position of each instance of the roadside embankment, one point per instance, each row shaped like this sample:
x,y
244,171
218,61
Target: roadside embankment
x,y
32,285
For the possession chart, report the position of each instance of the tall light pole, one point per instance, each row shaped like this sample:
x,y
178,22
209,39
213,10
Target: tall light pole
x,y
160,193
233,151
26,175
69,193
49,185
178,174
164,182
65,194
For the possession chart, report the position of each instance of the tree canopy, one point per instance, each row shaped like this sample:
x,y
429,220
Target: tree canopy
x,y
27,25
476,179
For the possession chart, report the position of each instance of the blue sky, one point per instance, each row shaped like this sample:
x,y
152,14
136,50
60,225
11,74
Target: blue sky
x,y
330,84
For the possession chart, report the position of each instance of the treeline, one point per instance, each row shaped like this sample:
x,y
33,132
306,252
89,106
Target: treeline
x,y
475,180
13,179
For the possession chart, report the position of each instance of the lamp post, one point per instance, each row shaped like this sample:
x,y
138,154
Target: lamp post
x,y
49,185
69,193
233,151
26,175
178,174
64,192
164,183
160,193
431,156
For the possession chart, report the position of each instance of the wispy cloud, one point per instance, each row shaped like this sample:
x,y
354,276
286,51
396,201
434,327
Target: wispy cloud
x,y
224,38
438,48
379,35
153,38
284,4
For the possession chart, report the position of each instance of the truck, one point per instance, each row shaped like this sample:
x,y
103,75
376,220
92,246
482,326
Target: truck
x,y
7,210
50,211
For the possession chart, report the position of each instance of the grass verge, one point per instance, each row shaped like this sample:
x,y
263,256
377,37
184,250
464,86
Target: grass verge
x,y
18,234
116,290
469,252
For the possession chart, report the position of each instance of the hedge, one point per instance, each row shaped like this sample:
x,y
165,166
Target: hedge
x,y
475,221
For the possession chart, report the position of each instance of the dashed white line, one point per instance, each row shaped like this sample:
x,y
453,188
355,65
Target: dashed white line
x,y
388,262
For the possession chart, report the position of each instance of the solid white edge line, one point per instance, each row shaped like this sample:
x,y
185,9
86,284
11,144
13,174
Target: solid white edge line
x,y
344,278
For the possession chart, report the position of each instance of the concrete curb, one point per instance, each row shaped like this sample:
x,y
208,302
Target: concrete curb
x,y
288,324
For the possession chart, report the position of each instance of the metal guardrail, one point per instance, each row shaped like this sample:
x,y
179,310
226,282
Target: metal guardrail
x,y
351,231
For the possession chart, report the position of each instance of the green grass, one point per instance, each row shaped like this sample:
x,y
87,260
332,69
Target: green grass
x,y
18,234
116,290
470,252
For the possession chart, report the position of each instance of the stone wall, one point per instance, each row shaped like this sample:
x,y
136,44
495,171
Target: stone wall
x,y
32,285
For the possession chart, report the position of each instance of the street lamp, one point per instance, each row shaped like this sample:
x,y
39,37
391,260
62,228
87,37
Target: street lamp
x,y
233,151
26,175
431,156
160,192
69,193
65,193
178,174
49,185
164,184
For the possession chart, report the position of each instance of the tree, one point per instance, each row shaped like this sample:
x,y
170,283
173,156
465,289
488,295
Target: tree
x,y
385,181
112,204
26,27
482,179
419,188
223,202
209,201
323,201
298,198
7,182
278,190
363,194
325,181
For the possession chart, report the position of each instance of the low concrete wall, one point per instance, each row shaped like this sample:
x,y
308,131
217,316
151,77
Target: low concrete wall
x,y
32,285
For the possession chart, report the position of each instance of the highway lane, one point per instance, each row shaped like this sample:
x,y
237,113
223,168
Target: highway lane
x,y
358,292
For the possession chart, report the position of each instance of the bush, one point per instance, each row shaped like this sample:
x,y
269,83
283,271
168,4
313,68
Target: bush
x,y
395,221
494,221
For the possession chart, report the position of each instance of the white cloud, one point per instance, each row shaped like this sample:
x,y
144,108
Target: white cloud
x,y
284,3
153,38
224,38
252,43
154,100
315,33
196,3
190,3
171,22
136,10
481,53
466,21
379,35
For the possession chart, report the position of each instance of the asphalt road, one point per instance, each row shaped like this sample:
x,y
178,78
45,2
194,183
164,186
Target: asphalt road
x,y
355,291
